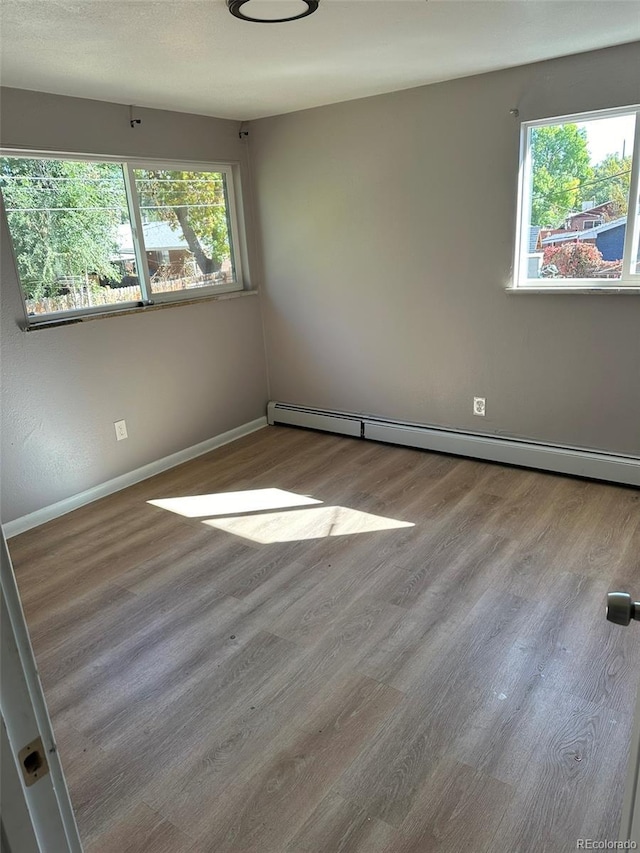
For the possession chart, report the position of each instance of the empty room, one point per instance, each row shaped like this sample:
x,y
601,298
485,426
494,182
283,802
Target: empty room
x,y
320,342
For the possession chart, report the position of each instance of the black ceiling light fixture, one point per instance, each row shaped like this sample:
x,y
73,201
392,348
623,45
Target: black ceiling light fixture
x,y
235,7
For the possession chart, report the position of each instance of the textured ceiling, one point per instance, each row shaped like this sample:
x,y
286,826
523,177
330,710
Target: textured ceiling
x,y
193,56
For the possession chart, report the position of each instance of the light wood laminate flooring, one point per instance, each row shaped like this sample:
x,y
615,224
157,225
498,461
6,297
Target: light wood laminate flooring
x,y
416,662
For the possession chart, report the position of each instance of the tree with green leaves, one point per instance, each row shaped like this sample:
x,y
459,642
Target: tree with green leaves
x,y
561,166
63,217
193,202
611,182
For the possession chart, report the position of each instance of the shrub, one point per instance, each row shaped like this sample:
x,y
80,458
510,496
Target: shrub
x,y
573,260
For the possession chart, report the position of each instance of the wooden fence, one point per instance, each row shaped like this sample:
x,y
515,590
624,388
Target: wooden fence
x,y
91,296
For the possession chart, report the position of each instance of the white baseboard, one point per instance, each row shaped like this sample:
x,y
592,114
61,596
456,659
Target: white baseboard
x,y
48,513
574,461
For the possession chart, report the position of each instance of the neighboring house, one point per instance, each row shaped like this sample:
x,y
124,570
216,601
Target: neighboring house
x,y
608,238
588,218
557,238
581,221
535,254
166,246
534,238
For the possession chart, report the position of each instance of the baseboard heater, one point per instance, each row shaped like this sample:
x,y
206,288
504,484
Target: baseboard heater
x,y
575,461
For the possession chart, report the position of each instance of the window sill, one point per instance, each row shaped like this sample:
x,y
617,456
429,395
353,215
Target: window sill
x,y
624,290
138,309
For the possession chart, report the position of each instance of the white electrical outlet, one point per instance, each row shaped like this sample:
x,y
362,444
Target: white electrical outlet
x,y
121,430
479,406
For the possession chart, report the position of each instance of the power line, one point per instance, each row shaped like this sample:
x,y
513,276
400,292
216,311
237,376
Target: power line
x,y
581,186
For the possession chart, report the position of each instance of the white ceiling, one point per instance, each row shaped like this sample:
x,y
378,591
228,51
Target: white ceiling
x,y
193,56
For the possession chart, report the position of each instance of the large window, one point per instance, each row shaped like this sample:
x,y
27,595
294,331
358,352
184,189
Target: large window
x,y
93,236
579,202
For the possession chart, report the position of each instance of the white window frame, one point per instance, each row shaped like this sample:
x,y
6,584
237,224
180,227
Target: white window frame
x,y
237,238
629,282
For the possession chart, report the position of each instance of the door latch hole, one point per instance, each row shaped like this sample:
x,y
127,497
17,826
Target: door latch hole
x,y
33,762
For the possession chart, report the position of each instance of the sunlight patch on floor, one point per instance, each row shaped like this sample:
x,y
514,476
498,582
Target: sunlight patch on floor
x,y
232,503
313,523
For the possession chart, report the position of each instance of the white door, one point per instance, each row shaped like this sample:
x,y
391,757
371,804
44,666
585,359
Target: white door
x,y
630,823
621,609
37,806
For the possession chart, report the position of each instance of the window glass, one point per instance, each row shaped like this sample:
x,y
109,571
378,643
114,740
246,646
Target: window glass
x,y
185,222
579,179
91,236
65,218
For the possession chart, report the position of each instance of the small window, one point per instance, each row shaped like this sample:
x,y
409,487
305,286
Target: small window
x,y
582,164
91,236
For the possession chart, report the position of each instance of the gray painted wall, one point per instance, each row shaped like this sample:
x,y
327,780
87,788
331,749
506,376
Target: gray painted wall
x,y
178,376
387,228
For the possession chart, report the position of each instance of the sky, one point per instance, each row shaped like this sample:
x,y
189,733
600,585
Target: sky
x,y
609,136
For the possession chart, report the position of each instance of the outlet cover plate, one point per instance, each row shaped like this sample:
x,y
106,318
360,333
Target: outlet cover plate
x,y
479,406
121,430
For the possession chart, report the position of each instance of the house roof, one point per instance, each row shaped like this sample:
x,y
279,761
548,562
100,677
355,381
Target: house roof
x,y
587,234
597,208
157,236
